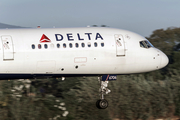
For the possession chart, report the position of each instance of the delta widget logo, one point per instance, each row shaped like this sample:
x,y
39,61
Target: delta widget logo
x,y
44,38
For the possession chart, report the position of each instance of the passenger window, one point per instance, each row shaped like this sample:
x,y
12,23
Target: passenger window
x,y
95,44
64,45
77,45
82,44
33,46
102,44
39,46
45,46
70,45
58,45
89,44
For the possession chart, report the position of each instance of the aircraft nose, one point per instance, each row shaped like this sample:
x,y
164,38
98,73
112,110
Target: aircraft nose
x,y
164,60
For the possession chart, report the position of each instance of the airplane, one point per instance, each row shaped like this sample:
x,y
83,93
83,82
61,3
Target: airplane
x,y
68,52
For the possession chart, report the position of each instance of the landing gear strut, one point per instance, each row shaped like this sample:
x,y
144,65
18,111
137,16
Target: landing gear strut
x,y
102,103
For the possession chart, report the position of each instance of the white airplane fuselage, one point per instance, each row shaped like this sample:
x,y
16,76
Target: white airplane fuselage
x,y
61,52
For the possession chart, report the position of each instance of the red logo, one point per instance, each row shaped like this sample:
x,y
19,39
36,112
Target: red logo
x,y
44,38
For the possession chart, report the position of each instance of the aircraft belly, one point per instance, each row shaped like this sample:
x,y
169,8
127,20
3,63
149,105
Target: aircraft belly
x,y
45,66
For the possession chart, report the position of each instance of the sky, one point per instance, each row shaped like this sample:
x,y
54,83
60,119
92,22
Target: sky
x,y
140,16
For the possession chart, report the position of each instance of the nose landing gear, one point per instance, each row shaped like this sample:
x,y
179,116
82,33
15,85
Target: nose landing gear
x,y
102,103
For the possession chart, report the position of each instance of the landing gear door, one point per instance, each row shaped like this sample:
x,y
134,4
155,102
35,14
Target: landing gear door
x,y
8,49
120,46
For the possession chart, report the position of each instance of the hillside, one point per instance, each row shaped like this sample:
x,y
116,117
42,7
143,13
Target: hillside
x,y
2,25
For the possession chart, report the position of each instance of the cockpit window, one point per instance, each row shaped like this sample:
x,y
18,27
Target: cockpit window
x,y
149,43
145,44
142,44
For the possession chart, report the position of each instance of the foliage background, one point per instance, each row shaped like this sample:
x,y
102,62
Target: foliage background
x,y
134,97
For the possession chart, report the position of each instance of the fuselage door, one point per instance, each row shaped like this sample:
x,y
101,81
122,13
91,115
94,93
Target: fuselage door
x,y
120,46
8,49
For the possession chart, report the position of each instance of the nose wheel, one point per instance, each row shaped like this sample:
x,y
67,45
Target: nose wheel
x,y
102,103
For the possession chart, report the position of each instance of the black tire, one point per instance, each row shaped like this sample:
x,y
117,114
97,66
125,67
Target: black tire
x,y
97,104
102,104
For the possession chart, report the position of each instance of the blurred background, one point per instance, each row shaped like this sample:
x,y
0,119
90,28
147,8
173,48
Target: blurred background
x,y
148,96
